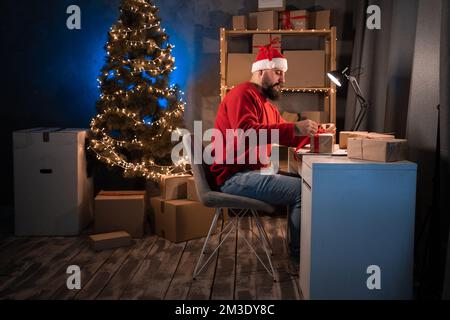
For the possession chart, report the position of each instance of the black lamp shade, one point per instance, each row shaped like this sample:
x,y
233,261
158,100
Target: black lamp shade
x,y
336,77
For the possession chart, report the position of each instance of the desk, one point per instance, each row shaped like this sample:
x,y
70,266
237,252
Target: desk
x,y
356,214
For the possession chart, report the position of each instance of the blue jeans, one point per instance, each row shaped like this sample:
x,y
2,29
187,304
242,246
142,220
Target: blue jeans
x,y
274,189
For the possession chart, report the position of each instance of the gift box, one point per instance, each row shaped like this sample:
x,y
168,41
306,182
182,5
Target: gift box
x,y
380,150
53,192
174,187
267,20
120,212
181,220
192,190
111,240
306,68
277,5
317,116
322,143
296,20
239,66
240,22
320,19
265,39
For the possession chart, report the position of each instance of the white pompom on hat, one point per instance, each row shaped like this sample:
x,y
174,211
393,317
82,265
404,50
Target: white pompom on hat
x,y
269,58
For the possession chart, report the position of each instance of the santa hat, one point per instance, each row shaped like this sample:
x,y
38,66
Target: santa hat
x,y
269,58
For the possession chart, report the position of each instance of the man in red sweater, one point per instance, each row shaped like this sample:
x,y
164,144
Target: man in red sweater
x,y
247,107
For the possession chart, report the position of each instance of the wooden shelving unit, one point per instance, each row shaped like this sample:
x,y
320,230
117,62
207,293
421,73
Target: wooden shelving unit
x,y
330,52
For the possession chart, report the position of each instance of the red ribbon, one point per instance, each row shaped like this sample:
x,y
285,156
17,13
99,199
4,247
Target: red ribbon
x,y
304,141
268,46
286,19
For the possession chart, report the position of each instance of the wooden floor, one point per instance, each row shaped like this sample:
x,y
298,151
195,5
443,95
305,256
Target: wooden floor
x,y
152,268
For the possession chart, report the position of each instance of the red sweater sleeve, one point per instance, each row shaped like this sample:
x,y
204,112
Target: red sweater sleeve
x,y
244,115
297,139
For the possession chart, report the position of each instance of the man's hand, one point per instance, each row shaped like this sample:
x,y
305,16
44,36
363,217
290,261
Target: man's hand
x,y
305,128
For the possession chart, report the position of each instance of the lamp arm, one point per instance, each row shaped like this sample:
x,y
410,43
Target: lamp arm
x,y
364,105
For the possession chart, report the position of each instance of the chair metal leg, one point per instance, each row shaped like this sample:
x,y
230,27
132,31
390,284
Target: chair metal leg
x,y
211,228
266,241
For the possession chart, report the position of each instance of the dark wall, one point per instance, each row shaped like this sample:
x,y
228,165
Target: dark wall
x,y
49,72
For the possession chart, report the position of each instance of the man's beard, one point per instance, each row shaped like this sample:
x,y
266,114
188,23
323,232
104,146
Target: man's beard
x,y
270,92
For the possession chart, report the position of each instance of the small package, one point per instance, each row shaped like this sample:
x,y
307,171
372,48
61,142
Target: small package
x,y
322,143
111,240
320,20
240,22
174,187
265,39
344,135
192,190
267,20
295,20
277,5
380,150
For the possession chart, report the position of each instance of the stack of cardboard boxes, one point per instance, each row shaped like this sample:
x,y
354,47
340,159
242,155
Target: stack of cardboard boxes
x,y
373,146
179,216
306,67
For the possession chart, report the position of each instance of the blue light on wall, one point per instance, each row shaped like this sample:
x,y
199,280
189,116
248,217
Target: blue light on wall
x,y
162,102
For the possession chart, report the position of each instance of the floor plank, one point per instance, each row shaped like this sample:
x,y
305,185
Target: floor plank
x,y
121,279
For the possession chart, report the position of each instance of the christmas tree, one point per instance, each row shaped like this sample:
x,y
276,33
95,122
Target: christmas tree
x,y
137,110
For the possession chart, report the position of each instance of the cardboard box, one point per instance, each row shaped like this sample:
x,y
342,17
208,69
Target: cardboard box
x,y
380,150
322,143
252,21
354,148
112,240
120,213
277,5
290,117
344,135
264,39
317,116
174,187
53,194
192,190
267,20
385,150
320,19
306,68
240,22
295,20
181,220
239,67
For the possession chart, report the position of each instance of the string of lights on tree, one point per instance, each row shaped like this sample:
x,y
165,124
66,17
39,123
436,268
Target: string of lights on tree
x,y
138,110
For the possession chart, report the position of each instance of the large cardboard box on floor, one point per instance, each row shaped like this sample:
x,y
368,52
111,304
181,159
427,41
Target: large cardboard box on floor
x,y
306,68
181,220
120,212
174,187
239,67
264,39
53,193
380,150
277,5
